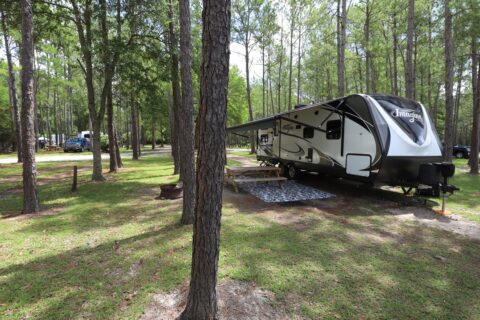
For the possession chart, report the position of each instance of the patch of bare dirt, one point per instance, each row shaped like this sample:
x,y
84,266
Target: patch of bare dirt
x,y
10,192
41,213
12,178
237,300
452,223
244,161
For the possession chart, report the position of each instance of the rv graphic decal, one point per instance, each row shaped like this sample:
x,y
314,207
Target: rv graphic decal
x,y
300,152
397,113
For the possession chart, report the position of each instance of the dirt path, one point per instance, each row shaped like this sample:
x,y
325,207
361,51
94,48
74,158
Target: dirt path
x,y
451,222
244,161
85,156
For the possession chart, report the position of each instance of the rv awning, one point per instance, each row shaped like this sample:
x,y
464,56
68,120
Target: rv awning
x,y
254,125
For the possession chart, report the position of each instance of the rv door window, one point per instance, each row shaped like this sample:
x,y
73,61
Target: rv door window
x,y
334,129
308,132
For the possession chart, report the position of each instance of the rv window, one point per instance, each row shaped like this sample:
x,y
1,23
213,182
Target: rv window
x,y
264,138
334,129
308,132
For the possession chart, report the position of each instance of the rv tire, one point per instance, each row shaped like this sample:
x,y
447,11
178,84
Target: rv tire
x,y
291,172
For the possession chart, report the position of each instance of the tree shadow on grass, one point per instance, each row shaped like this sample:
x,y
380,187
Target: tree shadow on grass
x,y
95,282
97,205
337,272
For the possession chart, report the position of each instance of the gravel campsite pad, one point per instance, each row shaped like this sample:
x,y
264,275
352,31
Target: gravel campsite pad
x,y
290,191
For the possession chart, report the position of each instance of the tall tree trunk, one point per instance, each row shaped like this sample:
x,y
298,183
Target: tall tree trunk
x,y
473,161
299,66
448,136
154,136
249,96
458,94
111,133
429,76
187,138
435,106
359,68
175,89
341,38
290,66
12,90
202,296
263,79
135,137
279,84
127,130
368,67
30,196
409,72
55,111
395,54
117,149
83,23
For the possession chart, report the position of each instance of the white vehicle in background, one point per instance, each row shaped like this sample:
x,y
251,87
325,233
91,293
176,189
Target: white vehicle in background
x,y
86,135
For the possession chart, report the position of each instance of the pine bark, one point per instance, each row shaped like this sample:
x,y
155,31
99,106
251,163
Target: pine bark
x,y
154,136
279,84
341,37
175,133
187,138
12,90
368,67
290,65
135,135
202,297
409,72
30,196
299,64
112,147
395,54
473,161
458,95
448,136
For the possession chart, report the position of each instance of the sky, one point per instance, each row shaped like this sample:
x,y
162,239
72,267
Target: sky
x,y
237,58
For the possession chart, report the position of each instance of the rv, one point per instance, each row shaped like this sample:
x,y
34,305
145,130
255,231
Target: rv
x,y
376,139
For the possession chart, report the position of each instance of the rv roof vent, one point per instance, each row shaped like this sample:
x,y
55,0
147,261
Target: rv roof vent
x,y
298,106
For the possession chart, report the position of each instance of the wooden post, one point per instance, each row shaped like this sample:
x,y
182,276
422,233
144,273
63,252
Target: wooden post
x,y
74,184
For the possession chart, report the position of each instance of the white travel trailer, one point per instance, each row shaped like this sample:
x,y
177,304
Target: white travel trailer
x,y
377,139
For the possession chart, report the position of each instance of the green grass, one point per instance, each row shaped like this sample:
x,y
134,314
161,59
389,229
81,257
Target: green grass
x,y
244,154
110,246
465,202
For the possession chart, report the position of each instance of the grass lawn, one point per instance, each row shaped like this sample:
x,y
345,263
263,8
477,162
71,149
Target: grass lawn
x,y
466,202
102,252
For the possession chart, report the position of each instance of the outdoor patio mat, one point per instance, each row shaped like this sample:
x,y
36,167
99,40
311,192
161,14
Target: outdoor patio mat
x,y
291,191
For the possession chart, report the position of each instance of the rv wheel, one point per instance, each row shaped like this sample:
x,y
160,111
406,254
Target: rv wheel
x,y
291,172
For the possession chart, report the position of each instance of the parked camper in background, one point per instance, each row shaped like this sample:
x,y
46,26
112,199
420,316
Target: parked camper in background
x,y
84,134
376,139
